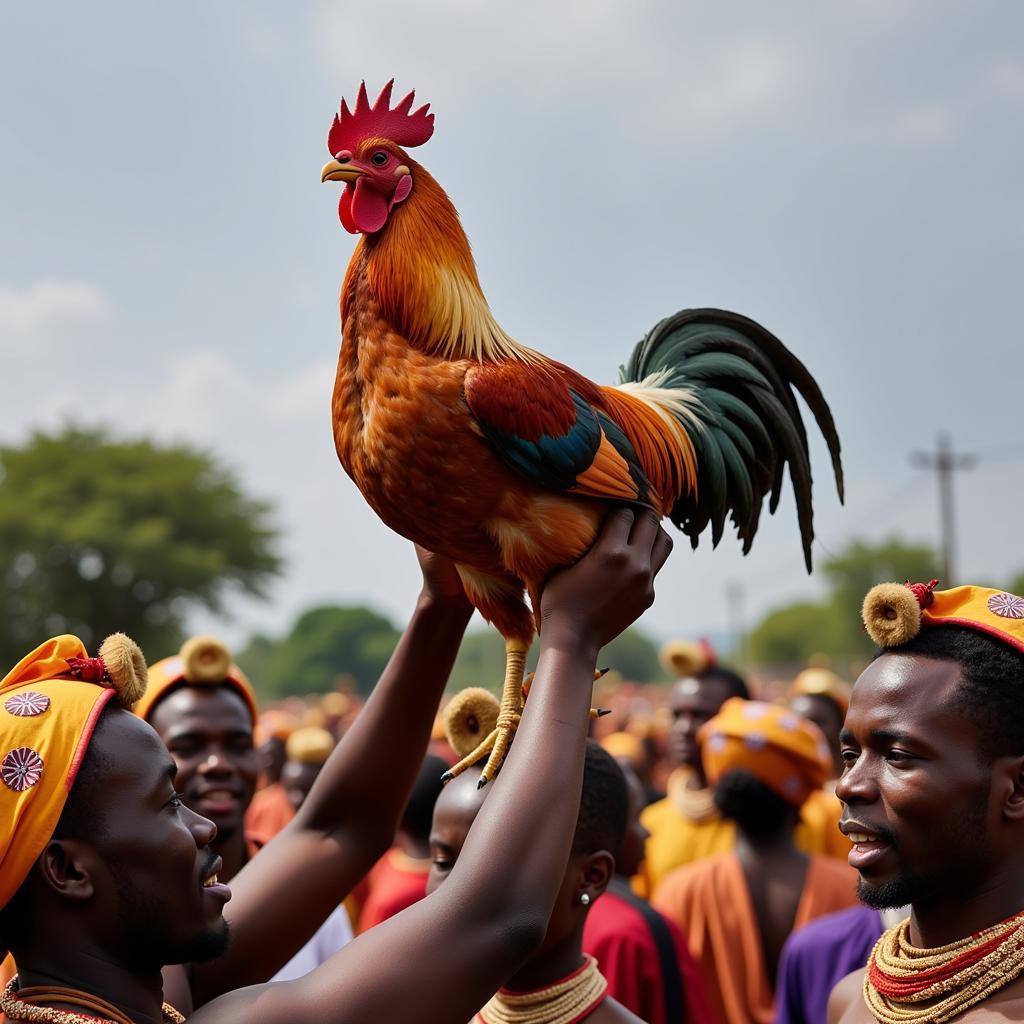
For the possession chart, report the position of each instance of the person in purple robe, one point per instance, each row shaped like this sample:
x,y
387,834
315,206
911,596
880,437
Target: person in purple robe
x,y
817,957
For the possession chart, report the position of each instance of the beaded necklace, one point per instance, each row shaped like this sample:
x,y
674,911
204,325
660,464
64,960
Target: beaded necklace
x,y
692,804
24,1006
904,984
565,1002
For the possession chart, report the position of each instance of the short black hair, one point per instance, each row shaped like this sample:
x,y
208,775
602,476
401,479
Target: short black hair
x,y
604,803
757,810
419,811
991,690
735,684
79,819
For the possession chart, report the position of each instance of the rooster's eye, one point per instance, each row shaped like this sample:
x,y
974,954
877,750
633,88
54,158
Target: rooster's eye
x,y
380,159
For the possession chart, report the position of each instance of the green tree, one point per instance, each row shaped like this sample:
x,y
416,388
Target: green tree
x,y
789,635
98,535
324,643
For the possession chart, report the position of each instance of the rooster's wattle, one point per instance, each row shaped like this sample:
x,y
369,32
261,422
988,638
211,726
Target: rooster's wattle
x,y
481,449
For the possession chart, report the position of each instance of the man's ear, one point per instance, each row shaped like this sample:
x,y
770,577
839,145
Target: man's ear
x,y
68,867
1010,771
597,872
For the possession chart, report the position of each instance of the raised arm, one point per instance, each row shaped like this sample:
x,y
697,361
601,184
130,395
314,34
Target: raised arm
x,y
441,959
349,818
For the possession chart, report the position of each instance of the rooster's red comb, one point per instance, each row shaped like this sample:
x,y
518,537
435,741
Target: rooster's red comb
x,y
380,121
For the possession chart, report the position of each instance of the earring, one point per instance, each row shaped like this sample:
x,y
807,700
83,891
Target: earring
x,y
585,899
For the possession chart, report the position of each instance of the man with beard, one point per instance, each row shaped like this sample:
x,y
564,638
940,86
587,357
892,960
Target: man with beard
x,y
933,790
106,875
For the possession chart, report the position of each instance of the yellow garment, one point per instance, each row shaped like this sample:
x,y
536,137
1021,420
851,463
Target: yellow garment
x,y
818,831
192,666
47,717
710,902
787,753
676,840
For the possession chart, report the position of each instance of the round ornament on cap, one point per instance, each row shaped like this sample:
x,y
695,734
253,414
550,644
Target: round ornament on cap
x,y
27,704
21,769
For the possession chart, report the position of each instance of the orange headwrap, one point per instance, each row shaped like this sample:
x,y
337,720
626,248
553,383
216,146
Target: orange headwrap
x,y
787,753
49,705
894,613
202,661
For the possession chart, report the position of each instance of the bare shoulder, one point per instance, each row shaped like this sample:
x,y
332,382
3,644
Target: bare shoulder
x,y
611,1012
846,1004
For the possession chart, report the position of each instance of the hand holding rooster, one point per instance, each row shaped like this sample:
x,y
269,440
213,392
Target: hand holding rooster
x,y
505,461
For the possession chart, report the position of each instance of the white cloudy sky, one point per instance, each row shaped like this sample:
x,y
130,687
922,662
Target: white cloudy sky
x,y
847,173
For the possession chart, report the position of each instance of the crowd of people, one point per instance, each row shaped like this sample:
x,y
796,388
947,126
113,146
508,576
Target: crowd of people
x,y
712,850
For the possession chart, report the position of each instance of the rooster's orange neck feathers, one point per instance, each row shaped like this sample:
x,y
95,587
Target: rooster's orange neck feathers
x,y
421,271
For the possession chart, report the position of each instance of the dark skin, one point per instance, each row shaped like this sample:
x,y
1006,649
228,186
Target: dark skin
x,y
692,703
93,929
631,855
913,779
457,945
825,713
272,757
297,779
562,950
348,821
775,871
208,732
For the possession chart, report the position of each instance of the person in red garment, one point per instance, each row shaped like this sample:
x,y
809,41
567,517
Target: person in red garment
x,y
642,954
399,878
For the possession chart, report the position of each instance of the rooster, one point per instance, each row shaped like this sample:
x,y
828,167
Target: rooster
x,y
488,452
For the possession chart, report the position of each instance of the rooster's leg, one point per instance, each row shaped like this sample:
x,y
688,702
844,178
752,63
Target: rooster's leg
x,y
511,707
480,752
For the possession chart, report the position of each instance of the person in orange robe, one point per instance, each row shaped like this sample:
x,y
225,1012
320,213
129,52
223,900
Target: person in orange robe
x,y
687,826
399,878
738,908
270,809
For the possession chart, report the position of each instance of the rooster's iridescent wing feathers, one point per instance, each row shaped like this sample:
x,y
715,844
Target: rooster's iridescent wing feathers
x,y
541,422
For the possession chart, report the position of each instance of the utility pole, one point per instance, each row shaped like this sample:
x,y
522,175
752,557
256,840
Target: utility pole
x,y
945,462
734,599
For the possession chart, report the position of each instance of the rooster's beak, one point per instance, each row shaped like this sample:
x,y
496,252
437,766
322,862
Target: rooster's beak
x,y
334,171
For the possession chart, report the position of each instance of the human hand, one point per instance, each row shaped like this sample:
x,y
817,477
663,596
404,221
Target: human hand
x,y
611,586
440,580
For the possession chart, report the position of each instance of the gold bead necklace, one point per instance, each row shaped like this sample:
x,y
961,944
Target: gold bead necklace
x,y
962,973
24,1006
569,1000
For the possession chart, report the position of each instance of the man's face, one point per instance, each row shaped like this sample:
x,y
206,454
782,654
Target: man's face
x,y
297,779
152,893
692,702
454,812
271,759
208,731
825,714
913,784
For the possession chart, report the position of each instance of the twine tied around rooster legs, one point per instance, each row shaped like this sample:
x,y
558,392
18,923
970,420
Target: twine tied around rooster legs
x,y
511,707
